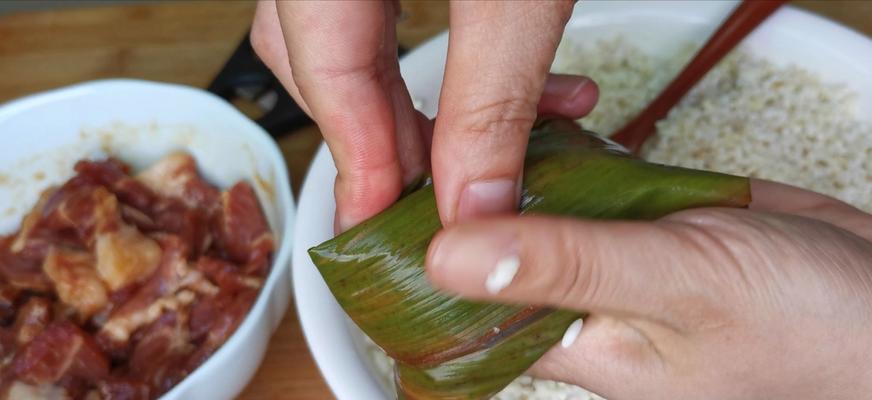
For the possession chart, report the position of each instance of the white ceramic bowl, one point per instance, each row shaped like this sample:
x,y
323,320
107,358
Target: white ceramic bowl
x,y
45,134
790,36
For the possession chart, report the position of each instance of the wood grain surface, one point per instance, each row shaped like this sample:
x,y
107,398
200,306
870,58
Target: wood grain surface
x,y
187,42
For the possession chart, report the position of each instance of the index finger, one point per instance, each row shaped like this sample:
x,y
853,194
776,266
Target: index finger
x,y
499,55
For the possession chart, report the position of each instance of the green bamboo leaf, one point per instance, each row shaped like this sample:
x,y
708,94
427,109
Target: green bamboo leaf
x,y
451,348
481,374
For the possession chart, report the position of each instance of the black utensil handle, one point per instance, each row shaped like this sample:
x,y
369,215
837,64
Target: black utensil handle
x,y
244,72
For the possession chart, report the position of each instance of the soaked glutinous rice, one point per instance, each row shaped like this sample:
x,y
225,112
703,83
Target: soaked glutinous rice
x,y
746,117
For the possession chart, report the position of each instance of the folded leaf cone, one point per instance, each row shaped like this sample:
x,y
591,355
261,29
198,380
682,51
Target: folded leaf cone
x,y
450,348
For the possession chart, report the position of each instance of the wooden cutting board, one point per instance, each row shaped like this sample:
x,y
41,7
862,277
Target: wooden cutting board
x,y
188,42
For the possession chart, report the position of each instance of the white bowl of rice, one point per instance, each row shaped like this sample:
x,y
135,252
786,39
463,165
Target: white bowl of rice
x,y
785,105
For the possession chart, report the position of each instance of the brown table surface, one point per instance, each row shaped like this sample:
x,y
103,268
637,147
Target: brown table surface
x,y
187,42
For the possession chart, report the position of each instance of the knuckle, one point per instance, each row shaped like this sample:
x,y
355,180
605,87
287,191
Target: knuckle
x,y
579,279
361,71
718,236
352,66
718,246
495,119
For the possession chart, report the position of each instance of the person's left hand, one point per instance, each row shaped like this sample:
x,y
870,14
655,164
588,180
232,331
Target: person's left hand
x,y
338,60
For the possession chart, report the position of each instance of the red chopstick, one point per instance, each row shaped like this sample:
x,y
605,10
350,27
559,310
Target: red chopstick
x,y
747,16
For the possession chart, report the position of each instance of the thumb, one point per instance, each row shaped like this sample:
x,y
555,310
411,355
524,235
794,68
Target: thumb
x,y
608,267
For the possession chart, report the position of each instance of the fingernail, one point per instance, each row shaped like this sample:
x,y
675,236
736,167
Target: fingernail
x,y
342,223
502,274
487,197
565,86
571,333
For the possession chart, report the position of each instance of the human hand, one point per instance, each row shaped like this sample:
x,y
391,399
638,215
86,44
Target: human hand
x,y
338,60
774,302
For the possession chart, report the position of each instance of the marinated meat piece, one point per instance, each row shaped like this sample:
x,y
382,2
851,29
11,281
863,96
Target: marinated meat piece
x,y
84,209
61,350
190,224
32,241
123,389
135,315
22,391
242,229
74,386
76,281
125,256
20,272
113,174
8,296
260,265
137,218
214,320
173,267
175,176
227,276
116,300
8,346
162,292
159,356
32,319
204,312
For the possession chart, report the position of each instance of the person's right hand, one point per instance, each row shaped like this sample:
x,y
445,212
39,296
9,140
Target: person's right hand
x,y
339,62
774,302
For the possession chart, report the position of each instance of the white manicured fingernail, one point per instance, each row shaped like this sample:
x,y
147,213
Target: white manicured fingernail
x,y
502,274
571,333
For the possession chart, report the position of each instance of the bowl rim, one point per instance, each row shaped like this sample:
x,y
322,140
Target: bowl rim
x,y
256,134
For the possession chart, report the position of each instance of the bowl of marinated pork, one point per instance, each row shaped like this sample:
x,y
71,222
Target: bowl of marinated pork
x,y
144,244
